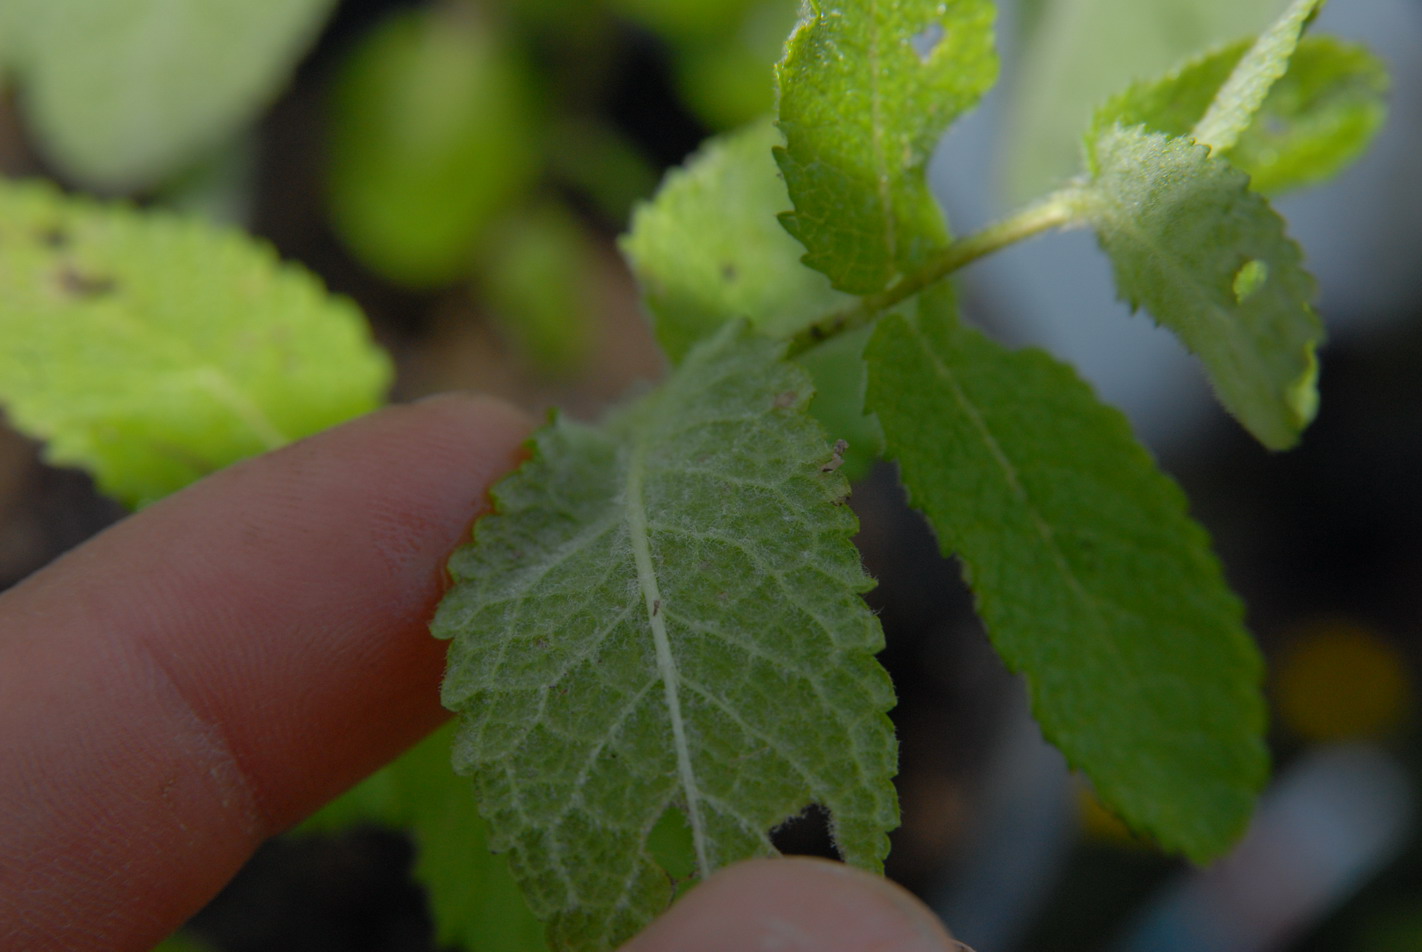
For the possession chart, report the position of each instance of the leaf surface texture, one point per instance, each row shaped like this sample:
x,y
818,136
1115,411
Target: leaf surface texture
x,y
867,88
151,349
1209,259
662,619
708,248
1090,577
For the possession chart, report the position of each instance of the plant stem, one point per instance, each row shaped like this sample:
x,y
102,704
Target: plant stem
x,y
1057,210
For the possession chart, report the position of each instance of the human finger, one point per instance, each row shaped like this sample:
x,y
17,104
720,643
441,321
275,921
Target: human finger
x,y
210,670
795,904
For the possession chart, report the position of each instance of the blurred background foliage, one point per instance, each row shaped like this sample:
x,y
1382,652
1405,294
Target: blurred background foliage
x,y
462,169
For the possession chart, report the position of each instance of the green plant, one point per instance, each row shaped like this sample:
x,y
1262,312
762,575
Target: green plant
x,y
658,647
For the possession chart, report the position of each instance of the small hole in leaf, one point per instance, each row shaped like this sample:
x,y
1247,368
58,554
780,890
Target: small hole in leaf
x,y
926,40
806,834
1249,279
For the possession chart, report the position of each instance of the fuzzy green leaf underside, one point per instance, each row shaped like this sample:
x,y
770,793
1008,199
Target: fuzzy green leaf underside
x,y
123,92
1092,580
663,616
151,349
1209,259
867,88
1318,117
708,248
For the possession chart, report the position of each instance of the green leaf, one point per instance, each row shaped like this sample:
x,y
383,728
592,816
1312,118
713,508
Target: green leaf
x,y
1092,580
474,901
837,368
537,276
708,249
1180,227
1239,99
1316,120
151,349
1079,52
661,621
432,137
122,92
867,89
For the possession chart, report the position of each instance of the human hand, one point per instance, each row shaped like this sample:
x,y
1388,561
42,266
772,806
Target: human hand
x,y
211,670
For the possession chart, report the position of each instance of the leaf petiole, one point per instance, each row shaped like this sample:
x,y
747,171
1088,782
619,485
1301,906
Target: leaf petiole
x,y
1060,209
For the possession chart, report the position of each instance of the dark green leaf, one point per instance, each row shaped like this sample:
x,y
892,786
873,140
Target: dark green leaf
x,y
1092,580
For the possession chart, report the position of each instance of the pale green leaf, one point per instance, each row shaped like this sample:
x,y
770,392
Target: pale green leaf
x,y
660,625
1316,120
1239,99
432,136
151,349
537,277
867,89
1321,116
122,92
1079,52
474,901
1091,578
1179,227
708,249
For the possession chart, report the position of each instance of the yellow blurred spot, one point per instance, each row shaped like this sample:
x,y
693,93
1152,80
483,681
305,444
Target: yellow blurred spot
x,y
1099,823
1339,680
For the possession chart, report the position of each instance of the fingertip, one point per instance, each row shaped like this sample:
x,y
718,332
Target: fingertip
x,y
792,904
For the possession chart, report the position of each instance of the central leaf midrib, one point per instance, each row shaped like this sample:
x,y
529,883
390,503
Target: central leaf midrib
x,y
647,582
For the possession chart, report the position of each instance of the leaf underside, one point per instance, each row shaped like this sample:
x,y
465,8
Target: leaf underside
x,y
152,349
1091,579
662,619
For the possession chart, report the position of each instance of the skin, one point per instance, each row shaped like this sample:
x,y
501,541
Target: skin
x,y
209,671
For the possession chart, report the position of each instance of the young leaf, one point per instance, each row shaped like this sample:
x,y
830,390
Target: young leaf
x,y
1209,259
432,136
866,91
122,92
1076,53
708,249
474,901
660,625
151,349
1092,580
1234,106
1318,118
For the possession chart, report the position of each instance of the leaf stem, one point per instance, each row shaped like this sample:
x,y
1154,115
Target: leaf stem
x,y
1057,210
